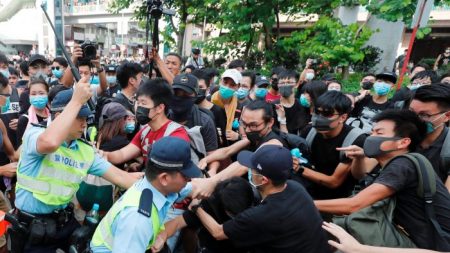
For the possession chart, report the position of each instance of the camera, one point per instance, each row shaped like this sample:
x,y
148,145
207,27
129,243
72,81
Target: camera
x,y
89,51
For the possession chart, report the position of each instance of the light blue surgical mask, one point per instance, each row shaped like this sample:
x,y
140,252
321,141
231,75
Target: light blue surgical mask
x,y
58,73
111,79
261,93
304,101
5,73
39,101
226,92
95,80
130,127
430,127
381,88
242,93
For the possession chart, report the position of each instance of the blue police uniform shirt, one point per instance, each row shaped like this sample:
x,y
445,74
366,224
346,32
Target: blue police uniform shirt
x,y
135,230
30,162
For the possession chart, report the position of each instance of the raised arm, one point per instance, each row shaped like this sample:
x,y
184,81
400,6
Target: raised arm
x,y
58,131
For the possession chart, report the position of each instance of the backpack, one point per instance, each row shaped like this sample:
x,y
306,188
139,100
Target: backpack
x,y
374,225
445,151
348,140
198,150
361,123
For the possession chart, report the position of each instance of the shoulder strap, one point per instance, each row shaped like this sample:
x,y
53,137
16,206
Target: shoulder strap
x,y
445,151
146,203
310,137
426,190
171,128
144,132
350,138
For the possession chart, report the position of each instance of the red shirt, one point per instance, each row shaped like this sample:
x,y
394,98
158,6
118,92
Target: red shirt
x,y
270,97
152,136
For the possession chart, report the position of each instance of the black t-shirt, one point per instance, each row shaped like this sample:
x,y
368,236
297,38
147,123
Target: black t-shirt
x,y
368,108
123,100
208,129
326,158
286,221
220,120
117,142
206,240
24,101
297,117
433,153
401,176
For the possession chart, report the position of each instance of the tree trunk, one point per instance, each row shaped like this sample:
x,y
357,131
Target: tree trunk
x,y
267,36
345,72
277,15
248,45
182,29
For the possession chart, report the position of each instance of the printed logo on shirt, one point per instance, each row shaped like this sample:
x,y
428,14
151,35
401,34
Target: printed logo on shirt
x,y
14,107
67,161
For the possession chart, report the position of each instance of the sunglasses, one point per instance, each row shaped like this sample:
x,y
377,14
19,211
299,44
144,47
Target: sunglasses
x,y
57,68
326,113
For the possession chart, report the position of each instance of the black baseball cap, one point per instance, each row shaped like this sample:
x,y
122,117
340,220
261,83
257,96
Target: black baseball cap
x,y
261,80
389,76
173,153
186,82
272,161
35,58
111,68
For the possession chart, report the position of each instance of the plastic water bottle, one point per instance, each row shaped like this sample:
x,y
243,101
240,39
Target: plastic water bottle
x,y
296,152
92,217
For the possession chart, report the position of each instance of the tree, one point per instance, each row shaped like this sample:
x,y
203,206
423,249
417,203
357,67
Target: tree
x,y
332,42
180,6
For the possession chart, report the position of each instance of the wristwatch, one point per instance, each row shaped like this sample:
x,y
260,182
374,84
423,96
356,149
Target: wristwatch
x,y
100,70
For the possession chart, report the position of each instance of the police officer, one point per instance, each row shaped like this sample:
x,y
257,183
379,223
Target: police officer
x,y
52,163
111,78
135,220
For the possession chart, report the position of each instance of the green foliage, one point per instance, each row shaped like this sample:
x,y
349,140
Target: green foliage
x,y
371,59
422,32
331,41
351,84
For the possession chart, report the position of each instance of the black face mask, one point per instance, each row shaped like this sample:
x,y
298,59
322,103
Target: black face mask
x,y
286,91
274,84
321,123
181,106
367,85
142,115
201,96
254,137
372,145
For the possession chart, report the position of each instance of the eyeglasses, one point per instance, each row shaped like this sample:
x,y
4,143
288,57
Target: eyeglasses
x,y
326,113
427,117
57,68
251,126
